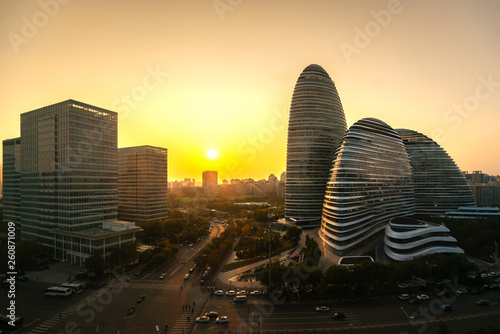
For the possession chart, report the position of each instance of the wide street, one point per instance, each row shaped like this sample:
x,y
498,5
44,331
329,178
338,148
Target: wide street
x,y
177,302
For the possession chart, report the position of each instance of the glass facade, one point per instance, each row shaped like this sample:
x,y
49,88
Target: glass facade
x,y
370,183
68,169
11,175
315,128
439,184
142,183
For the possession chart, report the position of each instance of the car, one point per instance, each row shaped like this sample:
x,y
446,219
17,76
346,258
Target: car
x,y
162,276
131,309
231,293
422,297
475,292
212,314
255,293
484,275
190,245
322,308
338,316
403,285
222,320
241,292
191,270
414,284
219,293
138,273
187,276
140,298
404,296
414,301
482,302
446,307
202,319
461,291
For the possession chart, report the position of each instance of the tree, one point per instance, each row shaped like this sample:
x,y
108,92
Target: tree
x,y
442,328
95,263
293,233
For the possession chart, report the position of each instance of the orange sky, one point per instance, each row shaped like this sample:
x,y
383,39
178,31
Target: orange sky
x,y
198,75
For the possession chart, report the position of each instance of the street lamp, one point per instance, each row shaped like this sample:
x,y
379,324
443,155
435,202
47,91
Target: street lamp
x,y
349,286
430,269
410,317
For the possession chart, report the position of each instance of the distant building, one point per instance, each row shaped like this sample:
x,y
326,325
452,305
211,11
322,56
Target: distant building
x,y
68,180
486,194
142,183
474,212
210,181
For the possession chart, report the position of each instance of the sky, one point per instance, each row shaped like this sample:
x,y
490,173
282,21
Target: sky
x,y
200,75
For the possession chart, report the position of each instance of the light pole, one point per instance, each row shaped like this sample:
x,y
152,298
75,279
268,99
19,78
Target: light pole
x,y
410,317
430,269
349,285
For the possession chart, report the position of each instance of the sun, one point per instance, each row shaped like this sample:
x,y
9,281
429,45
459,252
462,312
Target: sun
x,y
212,154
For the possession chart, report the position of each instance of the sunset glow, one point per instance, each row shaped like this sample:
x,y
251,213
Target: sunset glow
x,y
191,78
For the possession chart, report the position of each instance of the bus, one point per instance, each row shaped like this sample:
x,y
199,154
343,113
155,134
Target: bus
x,y
7,323
57,291
75,287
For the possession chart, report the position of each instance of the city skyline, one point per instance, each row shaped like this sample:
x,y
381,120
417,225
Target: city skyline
x,y
199,78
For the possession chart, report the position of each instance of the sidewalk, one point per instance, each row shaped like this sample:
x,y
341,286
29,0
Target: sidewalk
x,y
58,273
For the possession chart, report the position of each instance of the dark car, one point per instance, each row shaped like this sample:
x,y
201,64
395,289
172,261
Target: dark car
x,y
140,298
338,316
482,302
414,301
446,307
131,309
212,314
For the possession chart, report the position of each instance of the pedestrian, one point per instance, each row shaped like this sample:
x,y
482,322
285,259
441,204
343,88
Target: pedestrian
x,y
189,306
192,311
193,303
183,307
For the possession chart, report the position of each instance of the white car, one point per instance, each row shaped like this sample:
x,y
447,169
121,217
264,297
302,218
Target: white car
x,y
461,291
231,293
255,293
403,285
242,292
202,319
222,320
187,276
404,296
322,308
219,293
162,276
422,297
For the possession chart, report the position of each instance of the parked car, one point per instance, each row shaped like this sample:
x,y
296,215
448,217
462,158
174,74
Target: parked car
x,y
202,319
241,292
403,285
131,309
187,276
219,293
222,320
162,276
422,297
322,309
338,316
231,293
404,296
461,291
255,293
414,301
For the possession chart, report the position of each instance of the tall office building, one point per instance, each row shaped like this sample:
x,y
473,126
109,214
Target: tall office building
x,y
142,183
439,185
370,183
315,128
68,180
209,182
11,180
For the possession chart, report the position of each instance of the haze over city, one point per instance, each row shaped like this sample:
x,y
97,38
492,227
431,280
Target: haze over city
x,y
208,76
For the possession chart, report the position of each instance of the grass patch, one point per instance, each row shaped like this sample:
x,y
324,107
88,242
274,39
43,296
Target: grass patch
x,y
239,264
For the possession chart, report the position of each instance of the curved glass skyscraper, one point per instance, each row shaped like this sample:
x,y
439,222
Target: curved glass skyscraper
x,y
370,183
316,126
439,185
